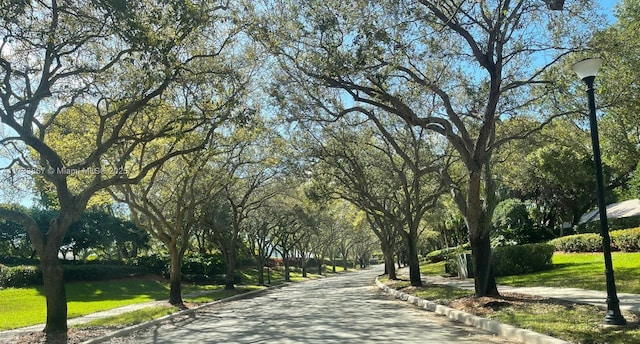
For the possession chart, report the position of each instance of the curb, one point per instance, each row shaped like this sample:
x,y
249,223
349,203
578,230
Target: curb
x,y
500,329
127,330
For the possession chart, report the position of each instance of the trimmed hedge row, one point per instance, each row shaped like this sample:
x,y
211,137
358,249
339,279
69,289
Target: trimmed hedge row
x,y
27,275
626,240
19,276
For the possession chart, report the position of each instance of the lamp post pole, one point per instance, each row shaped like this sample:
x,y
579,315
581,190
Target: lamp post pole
x,y
587,70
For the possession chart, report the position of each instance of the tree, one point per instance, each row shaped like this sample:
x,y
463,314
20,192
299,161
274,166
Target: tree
x,y
617,93
455,68
166,205
247,172
260,236
81,81
387,169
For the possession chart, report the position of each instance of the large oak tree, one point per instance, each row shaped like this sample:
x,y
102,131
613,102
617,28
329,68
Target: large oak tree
x,y
95,71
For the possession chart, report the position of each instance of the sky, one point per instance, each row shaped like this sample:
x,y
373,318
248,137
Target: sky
x,y
608,8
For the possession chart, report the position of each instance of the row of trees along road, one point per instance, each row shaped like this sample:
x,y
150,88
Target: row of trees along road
x,y
392,104
112,79
454,68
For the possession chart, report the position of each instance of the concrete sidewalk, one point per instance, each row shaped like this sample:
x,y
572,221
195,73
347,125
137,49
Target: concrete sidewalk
x,y
629,302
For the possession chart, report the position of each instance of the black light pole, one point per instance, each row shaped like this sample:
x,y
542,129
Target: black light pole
x,y
587,70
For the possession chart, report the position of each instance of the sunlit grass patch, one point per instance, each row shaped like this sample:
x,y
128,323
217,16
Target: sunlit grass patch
x,y
132,318
584,270
572,322
22,307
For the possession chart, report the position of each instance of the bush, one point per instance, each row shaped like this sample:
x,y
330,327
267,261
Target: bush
x,y
521,259
28,275
155,263
588,242
205,265
626,240
19,276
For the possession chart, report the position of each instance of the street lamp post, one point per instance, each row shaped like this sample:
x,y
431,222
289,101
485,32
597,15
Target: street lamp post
x,y
587,70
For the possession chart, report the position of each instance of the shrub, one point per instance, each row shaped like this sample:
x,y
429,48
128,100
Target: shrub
x,y
155,263
205,265
521,259
588,242
19,276
627,240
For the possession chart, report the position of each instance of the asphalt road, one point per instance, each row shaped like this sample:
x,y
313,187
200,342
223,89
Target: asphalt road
x,y
341,309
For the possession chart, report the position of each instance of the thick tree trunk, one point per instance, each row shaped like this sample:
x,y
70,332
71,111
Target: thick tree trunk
x,y
390,266
48,246
345,263
285,262
484,280
479,225
55,293
303,264
175,276
414,262
320,261
261,264
231,271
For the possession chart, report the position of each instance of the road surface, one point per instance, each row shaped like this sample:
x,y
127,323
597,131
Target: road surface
x,y
341,309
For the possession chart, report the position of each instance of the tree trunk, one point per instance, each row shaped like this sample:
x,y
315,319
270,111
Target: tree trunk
x,y
261,264
55,293
414,262
303,263
484,280
285,262
478,222
345,263
390,266
320,261
231,271
175,276
333,263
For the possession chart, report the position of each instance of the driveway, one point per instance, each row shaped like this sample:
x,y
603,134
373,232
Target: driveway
x,y
341,309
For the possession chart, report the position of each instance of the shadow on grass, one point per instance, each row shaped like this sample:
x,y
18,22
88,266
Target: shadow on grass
x,y
117,290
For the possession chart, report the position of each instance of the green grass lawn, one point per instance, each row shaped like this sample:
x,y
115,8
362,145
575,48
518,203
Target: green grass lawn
x,y
26,306
150,313
572,322
584,270
577,270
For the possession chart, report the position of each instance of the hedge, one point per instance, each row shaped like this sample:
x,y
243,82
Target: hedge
x,y
27,275
626,240
19,276
521,259
588,242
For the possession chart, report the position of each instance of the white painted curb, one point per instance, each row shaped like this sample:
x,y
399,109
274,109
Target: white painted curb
x,y
502,330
